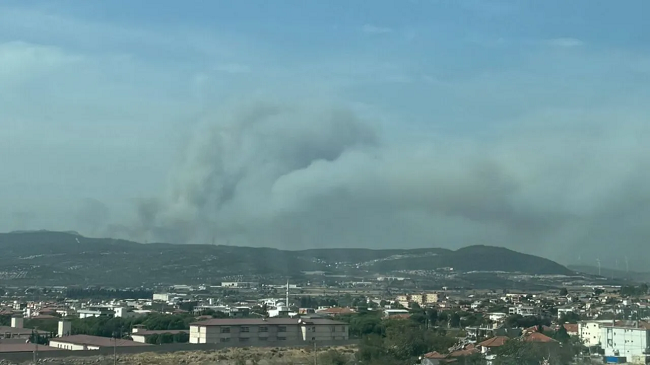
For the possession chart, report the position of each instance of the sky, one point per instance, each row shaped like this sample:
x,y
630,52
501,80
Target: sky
x,y
299,124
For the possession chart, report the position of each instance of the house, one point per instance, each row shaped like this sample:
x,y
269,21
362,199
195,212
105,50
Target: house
x,y
86,342
525,310
263,330
491,343
544,329
571,328
538,337
433,358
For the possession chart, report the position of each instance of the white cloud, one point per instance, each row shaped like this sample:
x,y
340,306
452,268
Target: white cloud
x,y
565,42
19,60
233,68
373,29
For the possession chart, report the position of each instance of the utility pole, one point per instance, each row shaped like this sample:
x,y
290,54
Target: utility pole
x,y
35,337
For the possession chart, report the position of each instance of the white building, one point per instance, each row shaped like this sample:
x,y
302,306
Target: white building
x,y
629,342
589,332
393,312
162,297
272,330
240,284
64,328
86,342
497,316
565,311
525,310
95,312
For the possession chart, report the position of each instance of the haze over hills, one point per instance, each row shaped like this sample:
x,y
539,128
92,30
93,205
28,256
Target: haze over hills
x,y
66,258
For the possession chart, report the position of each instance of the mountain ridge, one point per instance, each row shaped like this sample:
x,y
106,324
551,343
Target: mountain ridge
x,y
65,257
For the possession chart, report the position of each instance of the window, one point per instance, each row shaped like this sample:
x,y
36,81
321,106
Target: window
x,y
282,329
225,329
245,329
243,339
282,338
332,329
263,338
313,329
342,328
263,329
224,339
313,338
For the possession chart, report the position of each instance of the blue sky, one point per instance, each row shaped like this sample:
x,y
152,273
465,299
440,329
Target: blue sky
x,y
101,104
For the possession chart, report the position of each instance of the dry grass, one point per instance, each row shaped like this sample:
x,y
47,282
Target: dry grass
x,y
231,356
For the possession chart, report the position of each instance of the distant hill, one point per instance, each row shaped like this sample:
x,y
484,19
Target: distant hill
x,y
612,273
65,258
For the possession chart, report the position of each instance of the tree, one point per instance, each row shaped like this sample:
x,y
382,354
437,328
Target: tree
x,y
569,317
454,320
432,316
562,335
564,292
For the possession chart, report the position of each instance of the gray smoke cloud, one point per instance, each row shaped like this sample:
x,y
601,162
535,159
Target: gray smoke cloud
x,y
556,184
92,216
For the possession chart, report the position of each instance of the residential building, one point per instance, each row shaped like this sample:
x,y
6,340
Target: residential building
x,y
525,310
497,317
162,297
394,312
421,299
589,332
272,330
631,343
13,332
86,342
95,312
492,343
240,284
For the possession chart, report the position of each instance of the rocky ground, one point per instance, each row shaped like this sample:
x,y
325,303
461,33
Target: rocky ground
x,y
235,356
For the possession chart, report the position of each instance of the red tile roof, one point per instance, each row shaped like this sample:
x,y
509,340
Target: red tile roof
x,y
538,337
464,352
434,355
535,329
494,341
571,327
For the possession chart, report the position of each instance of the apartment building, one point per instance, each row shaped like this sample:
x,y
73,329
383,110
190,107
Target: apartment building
x,y
269,330
421,299
589,332
630,343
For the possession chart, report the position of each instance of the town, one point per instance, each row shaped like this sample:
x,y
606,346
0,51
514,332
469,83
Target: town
x,y
574,324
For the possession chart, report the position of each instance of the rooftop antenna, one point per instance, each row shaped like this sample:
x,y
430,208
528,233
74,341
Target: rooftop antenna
x,y
598,261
